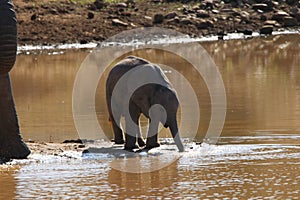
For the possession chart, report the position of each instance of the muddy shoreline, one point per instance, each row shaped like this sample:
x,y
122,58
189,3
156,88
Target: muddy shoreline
x,y
49,22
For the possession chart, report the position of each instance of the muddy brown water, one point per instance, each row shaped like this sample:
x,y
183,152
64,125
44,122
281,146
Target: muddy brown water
x,y
258,155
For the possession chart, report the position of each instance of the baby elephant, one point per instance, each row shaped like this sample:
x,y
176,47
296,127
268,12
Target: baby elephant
x,y
136,86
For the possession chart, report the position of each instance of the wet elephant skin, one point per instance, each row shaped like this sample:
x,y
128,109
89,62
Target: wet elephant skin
x,y
11,143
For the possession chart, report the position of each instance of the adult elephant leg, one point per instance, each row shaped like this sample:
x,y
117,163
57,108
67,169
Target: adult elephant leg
x,y
175,134
8,36
11,143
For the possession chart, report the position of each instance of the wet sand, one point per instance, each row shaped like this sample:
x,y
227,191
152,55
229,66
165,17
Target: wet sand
x,y
55,149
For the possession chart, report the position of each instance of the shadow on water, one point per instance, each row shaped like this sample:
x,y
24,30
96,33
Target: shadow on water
x,y
114,151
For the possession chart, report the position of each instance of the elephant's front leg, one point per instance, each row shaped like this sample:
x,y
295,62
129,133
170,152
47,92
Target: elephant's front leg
x,y
133,132
152,140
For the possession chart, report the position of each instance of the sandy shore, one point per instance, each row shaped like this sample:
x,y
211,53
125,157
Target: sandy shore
x,y
55,149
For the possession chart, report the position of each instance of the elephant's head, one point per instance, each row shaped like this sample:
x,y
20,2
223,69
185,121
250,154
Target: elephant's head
x,y
164,109
164,105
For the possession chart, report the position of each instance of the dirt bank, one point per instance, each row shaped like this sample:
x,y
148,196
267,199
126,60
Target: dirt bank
x,y
71,21
55,149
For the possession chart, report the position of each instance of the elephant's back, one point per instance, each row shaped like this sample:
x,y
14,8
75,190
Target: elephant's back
x,y
127,64
122,68
139,70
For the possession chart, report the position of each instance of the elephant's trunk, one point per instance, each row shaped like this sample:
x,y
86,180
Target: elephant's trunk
x,y
175,133
11,143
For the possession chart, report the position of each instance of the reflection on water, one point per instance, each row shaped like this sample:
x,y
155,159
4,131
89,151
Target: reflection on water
x,y
207,172
261,78
42,85
7,182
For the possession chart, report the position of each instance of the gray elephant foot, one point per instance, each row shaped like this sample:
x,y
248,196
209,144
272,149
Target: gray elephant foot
x,y
142,150
130,148
14,150
118,141
152,145
141,142
4,160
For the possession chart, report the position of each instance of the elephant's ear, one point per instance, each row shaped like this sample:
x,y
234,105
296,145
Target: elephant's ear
x,y
161,89
162,95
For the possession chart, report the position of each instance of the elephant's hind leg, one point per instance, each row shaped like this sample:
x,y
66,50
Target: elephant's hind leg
x,y
118,133
152,140
141,142
133,133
